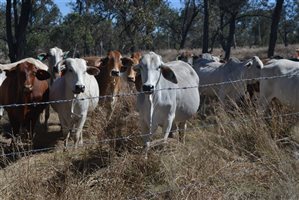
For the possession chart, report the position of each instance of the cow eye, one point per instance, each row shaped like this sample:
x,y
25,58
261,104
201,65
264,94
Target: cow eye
x,y
70,70
34,73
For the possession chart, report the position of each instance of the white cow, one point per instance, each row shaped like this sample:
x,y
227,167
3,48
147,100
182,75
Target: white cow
x,y
215,73
284,88
54,56
77,83
158,107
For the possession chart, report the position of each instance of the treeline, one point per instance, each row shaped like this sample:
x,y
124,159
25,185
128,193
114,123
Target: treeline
x,y
95,26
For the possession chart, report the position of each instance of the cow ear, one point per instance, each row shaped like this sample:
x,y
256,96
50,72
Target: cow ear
x,y
42,75
92,70
168,74
249,63
65,54
104,61
195,57
98,63
127,61
136,68
10,72
42,56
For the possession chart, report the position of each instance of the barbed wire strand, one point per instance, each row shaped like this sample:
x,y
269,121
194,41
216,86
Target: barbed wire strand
x,y
137,93
133,136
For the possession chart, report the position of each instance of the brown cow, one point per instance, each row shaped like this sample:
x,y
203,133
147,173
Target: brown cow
x,y
129,63
93,61
109,77
188,57
25,83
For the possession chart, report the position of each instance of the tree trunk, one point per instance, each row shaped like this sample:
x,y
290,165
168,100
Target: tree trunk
x,y
232,28
221,31
189,17
274,27
17,42
205,41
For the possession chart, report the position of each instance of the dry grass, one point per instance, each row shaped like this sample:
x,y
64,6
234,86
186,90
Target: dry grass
x,y
241,156
239,52
235,154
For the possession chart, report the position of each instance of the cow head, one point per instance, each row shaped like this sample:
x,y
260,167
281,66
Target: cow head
x,y
128,64
94,61
54,56
74,70
187,57
253,68
151,68
113,63
26,73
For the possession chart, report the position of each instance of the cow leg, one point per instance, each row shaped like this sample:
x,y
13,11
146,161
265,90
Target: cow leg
x,y
263,104
66,140
47,116
167,126
77,136
78,139
1,112
173,129
182,130
111,108
15,125
202,106
65,129
146,133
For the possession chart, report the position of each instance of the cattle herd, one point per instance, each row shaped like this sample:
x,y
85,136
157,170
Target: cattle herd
x,y
168,93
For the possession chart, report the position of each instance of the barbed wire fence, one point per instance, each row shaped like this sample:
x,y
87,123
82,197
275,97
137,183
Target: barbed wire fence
x,y
135,94
133,136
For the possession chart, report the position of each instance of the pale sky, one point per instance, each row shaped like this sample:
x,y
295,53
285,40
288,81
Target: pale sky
x,y
65,9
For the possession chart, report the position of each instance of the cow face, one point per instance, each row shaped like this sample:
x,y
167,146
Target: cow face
x,y
54,56
75,73
151,69
113,63
128,64
253,68
26,73
187,57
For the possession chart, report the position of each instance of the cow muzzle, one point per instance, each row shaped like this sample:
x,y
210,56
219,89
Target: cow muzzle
x,y
79,89
55,69
149,89
115,73
28,88
131,79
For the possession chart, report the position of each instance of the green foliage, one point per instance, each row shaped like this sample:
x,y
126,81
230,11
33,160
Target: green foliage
x,y
149,25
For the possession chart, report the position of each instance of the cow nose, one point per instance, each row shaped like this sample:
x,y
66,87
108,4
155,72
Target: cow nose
x,y
115,73
79,89
28,88
55,69
131,79
148,88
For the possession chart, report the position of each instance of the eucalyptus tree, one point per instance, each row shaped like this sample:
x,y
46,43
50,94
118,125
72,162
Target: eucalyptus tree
x,y
274,26
17,19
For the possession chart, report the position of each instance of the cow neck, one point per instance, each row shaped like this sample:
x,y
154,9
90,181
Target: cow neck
x,y
73,104
151,99
158,80
107,82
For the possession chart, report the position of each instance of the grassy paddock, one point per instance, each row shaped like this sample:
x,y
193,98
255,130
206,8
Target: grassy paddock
x,y
235,154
